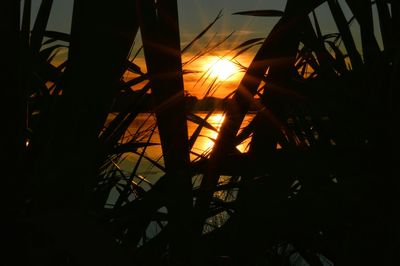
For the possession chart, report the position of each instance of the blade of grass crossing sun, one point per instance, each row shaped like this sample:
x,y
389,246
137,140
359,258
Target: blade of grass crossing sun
x,y
238,107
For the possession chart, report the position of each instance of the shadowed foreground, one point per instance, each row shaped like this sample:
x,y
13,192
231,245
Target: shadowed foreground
x,y
315,184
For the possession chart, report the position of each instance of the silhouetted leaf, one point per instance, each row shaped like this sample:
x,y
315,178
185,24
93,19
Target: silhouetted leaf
x,y
261,13
191,71
339,57
330,35
131,147
202,33
245,49
153,162
200,121
248,42
132,67
40,25
47,52
26,22
60,36
317,27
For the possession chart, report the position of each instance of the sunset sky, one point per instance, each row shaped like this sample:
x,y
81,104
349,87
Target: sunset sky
x,y
195,15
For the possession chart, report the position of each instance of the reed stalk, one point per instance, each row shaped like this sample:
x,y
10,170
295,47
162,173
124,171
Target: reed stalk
x,y
160,32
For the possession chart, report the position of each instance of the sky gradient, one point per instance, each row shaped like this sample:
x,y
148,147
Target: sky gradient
x,y
195,15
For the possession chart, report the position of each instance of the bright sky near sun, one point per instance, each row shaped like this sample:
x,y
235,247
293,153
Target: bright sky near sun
x,y
194,16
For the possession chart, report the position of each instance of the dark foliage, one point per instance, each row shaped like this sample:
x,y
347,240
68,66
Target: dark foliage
x,y
315,185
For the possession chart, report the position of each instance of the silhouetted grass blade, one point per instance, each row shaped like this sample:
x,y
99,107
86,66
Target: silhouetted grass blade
x,y
261,13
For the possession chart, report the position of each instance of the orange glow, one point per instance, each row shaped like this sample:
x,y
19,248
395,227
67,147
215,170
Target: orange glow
x,y
221,68
205,141
216,120
216,70
207,137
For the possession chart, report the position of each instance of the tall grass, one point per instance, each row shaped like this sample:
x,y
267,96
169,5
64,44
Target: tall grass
x,y
12,131
161,43
66,162
318,147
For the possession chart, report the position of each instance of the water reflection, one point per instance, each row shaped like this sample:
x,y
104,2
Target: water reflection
x,y
136,172
207,137
204,142
144,166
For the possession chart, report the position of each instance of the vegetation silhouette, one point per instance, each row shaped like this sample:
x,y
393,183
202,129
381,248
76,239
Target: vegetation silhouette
x,y
315,184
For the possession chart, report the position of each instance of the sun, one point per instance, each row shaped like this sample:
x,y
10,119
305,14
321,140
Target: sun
x,y
222,68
